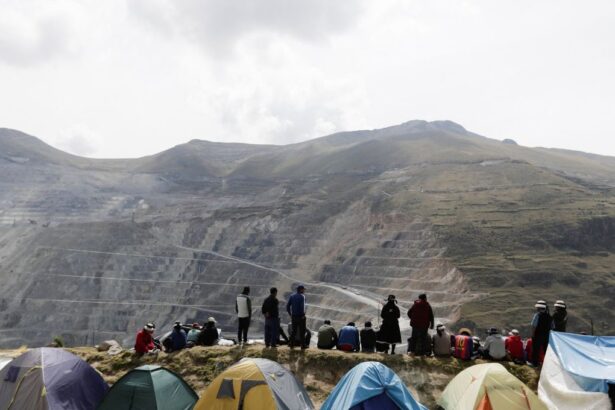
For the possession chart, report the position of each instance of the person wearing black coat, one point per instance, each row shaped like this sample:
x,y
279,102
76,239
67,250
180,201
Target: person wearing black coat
x,y
389,331
560,316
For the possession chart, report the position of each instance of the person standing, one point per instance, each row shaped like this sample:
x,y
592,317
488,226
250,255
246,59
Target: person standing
x,y
243,307
296,309
560,316
389,331
541,327
421,319
271,312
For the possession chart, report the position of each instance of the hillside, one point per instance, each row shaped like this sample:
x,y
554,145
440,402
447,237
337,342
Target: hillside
x,y
92,249
318,370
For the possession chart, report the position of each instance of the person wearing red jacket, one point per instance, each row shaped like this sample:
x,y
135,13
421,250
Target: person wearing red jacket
x,y
145,340
421,320
514,347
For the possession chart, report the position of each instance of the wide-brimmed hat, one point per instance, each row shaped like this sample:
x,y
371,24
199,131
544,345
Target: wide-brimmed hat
x,y
465,330
541,304
492,331
560,304
211,320
149,326
514,332
440,326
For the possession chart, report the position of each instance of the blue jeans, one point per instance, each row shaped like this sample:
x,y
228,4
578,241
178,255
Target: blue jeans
x,y
272,331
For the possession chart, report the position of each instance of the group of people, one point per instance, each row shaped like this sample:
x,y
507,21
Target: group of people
x,y
462,345
179,338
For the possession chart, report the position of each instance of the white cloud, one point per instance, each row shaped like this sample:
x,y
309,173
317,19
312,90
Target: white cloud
x,y
140,76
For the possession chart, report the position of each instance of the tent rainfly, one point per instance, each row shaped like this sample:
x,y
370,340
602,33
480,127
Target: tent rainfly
x,y
578,371
255,384
488,386
50,379
371,386
152,388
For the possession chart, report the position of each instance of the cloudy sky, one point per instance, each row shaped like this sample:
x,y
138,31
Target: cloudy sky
x,y
125,78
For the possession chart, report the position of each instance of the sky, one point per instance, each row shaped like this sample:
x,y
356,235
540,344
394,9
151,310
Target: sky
x,y
127,78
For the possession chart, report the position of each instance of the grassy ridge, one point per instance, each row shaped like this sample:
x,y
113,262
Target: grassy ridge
x,y
318,370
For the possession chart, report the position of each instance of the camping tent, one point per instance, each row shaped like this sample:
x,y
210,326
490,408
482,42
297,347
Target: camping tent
x,y
488,386
48,378
371,385
255,384
577,371
150,387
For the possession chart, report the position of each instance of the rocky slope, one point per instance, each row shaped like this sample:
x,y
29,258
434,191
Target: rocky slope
x,y
92,249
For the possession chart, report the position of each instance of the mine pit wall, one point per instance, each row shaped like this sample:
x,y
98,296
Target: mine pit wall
x,y
345,257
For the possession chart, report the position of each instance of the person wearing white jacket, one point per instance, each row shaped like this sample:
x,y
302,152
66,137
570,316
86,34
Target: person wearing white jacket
x,y
243,307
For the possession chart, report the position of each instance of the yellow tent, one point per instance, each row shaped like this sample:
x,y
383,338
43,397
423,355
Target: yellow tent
x,y
255,384
488,387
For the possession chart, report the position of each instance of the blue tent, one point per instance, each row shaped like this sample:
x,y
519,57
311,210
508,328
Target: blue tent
x,y
371,386
577,371
50,379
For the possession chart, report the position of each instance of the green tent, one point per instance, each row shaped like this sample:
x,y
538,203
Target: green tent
x,y
150,388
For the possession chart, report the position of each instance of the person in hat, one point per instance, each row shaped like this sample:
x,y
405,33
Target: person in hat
x,y
421,320
177,338
495,345
144,342
560,316
441,342
514,347
327,336
389,332
368,338
296,309
270,310
243,308
193,335
541,326
209,335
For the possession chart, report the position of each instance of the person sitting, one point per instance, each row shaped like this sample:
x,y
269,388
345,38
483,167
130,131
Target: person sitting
x,y
144,342
514,347
495,347
477,350
177,338
368,338
209,335
306,337
441,342
528,352
193,335
463,345
349,338
327,336
283,340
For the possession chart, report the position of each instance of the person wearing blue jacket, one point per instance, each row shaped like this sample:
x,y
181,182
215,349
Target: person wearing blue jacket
x,y
296,309
348,339
178,337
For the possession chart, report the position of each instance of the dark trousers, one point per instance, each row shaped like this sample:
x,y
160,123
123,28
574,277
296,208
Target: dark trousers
x,y
242,331
420,341
272,328
539,346
297,325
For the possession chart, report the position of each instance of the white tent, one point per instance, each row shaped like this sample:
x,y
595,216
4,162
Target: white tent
x,y
577,371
